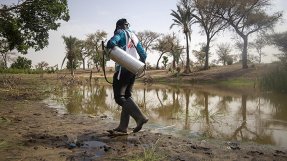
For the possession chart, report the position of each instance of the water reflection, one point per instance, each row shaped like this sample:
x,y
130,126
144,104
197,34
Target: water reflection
x,y
189,111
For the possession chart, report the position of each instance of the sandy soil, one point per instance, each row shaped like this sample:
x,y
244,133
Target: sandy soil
x,y
31,131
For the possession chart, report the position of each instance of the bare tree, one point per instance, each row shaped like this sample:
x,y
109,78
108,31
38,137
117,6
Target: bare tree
x,y
223,52
93,45
239,45
6,54
7,57
279,40
176,51
211,25
200,55
42,65
169,44
163,46
83,52
246,17
259,44
148,38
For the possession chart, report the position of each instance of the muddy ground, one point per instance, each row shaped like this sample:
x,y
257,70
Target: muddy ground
x,y
31,131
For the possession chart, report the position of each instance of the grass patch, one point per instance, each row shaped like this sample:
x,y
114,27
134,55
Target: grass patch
x,y
3,120
149,153
3,144
23,87
237,83
275,80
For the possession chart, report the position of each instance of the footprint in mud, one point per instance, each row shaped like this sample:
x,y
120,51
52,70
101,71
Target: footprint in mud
x,y
254,153
95,149
233,145
90,150
71,141
280,153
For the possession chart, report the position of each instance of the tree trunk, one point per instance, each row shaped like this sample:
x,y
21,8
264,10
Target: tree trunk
x,y
260,56
4,56
72,70
83,60
97,67
187,65
206,65
158,60
244,53
5,64
173,62
91,76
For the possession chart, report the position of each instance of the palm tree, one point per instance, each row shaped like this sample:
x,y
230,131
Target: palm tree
x,y
72,49
184,19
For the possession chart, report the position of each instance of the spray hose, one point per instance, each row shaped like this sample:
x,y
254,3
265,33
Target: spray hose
x,y
104,70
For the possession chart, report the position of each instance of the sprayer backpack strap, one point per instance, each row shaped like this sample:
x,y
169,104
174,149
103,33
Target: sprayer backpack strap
x,y
129,37
135,45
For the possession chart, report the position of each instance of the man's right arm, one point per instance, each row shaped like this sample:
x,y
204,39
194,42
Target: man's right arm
x,y
114,41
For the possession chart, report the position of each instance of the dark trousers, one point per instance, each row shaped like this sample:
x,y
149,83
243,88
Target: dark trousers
x,y
123,87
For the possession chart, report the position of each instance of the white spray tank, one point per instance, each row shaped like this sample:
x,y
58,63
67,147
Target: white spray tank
x,y
127,61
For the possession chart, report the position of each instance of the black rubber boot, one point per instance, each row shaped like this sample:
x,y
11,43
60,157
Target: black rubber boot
x,y
136,114
124,121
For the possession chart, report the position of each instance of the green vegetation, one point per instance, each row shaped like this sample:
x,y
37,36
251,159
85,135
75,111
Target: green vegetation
x,y
164,61
77,51
238,83
22,63
18,71
26,71
26,24
3,144
4,120
149,154
183,18
275,79
23,87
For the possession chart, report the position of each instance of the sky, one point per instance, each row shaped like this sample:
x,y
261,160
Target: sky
x,y
88,16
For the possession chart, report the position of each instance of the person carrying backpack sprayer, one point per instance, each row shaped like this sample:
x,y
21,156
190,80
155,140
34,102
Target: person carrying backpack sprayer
x,y
123,79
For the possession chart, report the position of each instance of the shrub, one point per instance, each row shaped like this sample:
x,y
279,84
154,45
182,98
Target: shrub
x,y
21,63
19,71
275,80
229,60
